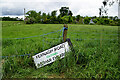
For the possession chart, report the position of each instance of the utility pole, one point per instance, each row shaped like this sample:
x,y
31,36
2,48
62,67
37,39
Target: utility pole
x,y
119,9
24,15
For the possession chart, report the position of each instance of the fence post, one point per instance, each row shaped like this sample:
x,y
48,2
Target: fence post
x,y
65,28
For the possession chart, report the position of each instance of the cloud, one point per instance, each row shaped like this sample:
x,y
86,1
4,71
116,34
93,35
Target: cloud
x,y
36,0
78,7
13,8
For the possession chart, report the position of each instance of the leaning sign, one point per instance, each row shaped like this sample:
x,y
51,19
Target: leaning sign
x,y
50,55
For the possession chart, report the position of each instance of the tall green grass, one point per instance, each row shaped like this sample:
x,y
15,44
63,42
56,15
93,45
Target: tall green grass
x,y
91,58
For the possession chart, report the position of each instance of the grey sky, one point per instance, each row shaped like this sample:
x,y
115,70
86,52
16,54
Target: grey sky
x,y
81,7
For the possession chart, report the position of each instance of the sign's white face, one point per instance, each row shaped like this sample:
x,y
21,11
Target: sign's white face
x,y
50,55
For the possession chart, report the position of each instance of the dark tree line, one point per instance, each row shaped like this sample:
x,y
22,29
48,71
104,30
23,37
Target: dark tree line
x,y
10,19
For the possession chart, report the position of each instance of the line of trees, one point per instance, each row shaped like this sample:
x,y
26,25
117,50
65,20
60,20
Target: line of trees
x,y
66,16
105,20
10,19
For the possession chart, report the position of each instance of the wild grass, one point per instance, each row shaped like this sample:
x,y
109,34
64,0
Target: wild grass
x,y
95,51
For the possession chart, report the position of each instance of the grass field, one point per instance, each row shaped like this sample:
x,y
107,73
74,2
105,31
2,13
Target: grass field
x,y
96,51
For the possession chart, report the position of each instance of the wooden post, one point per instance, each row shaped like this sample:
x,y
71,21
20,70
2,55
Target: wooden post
x,y
65,32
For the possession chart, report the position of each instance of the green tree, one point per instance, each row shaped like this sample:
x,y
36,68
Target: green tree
x,y
48,16
64,11
32,17
111,17
53,17
95,21
87,20
106,21
78,18
54,13
100,21
44,17
65,19
59,19
115,18
39,13
70,20
70,13
38,17
94,17
74,19
32,13
118,22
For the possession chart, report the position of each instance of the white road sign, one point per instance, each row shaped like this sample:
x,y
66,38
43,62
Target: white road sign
x,y
50,55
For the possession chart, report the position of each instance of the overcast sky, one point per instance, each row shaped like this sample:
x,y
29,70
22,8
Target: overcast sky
x,y
78,7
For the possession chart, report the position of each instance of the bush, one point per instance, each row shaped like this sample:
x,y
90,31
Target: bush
x,y
106,21
100,21
95,21
86,20
118,24
113,23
